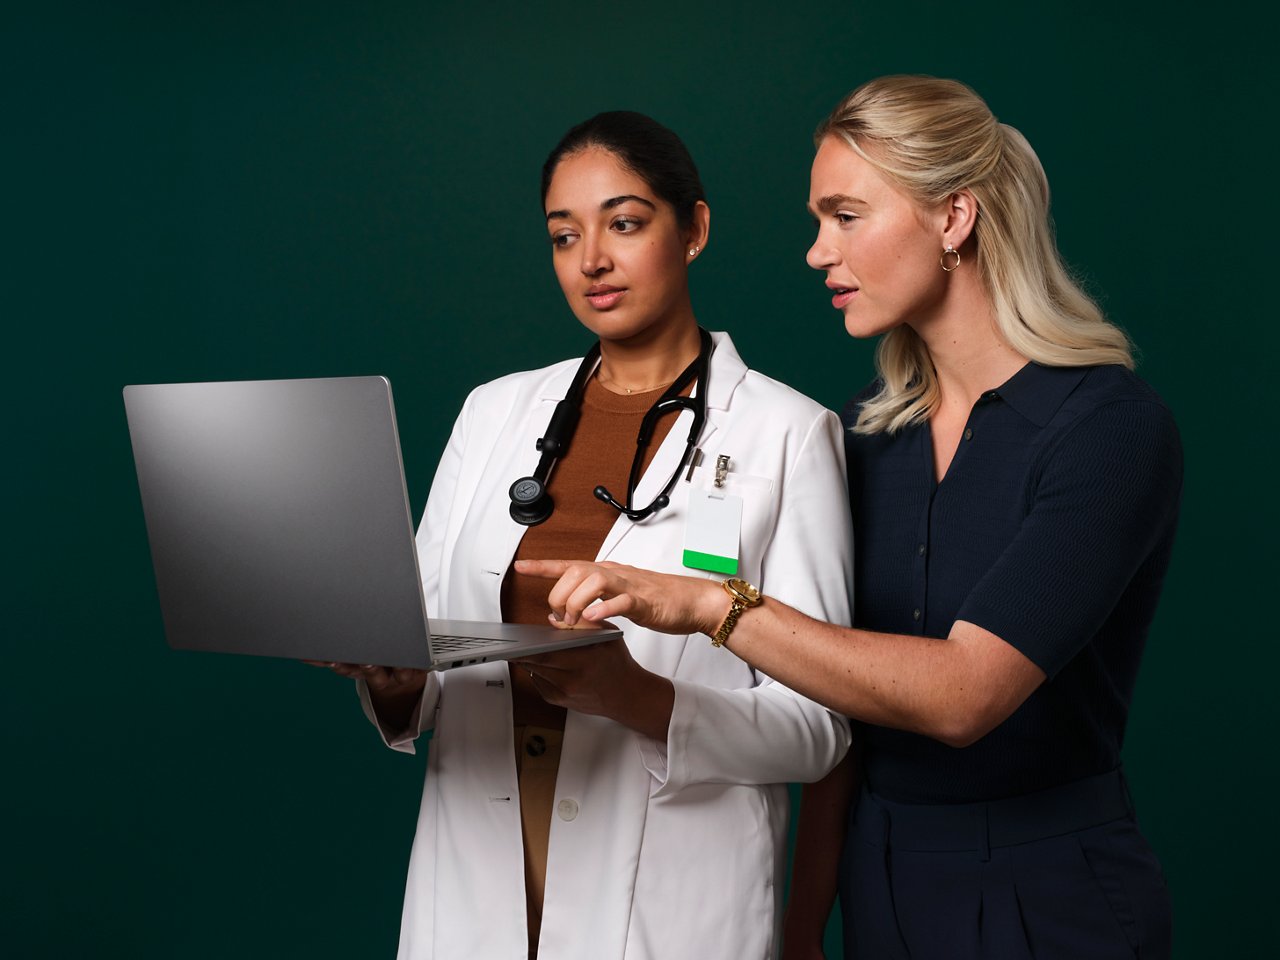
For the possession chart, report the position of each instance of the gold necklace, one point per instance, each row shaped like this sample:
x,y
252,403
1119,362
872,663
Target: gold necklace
x,y
630,390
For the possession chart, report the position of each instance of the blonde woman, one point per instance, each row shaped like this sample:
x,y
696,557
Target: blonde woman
x,y
1015,492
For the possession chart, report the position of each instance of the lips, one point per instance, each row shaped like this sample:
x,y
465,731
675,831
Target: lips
x,y
603,296
842,295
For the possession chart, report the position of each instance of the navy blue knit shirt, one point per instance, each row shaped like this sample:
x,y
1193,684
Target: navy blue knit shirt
x,y
1052,529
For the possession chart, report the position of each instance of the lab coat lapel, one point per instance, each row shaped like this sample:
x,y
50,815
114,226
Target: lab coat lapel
x,y
501,535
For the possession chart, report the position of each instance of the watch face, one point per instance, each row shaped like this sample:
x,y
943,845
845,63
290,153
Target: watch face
x,y
749,593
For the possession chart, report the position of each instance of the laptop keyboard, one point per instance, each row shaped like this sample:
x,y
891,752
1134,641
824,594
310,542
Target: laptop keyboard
x,y
452,645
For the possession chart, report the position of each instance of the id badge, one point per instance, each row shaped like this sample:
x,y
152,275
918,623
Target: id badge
x,y
712,532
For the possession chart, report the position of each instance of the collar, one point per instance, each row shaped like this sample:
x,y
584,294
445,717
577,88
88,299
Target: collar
x,y
727,371
1037,392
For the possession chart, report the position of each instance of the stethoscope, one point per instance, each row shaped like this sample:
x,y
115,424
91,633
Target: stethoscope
x,y
531,504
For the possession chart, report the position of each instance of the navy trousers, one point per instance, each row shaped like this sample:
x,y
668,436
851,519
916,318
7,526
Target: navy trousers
x,y
1059,875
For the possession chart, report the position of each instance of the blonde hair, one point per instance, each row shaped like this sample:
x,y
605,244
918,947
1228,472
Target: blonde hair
x,y
931,137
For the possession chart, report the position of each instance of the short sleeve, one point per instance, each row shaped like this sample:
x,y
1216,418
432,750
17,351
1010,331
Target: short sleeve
x,y
1105,498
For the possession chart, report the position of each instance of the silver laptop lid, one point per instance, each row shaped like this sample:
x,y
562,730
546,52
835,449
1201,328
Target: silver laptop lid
x,y
278,518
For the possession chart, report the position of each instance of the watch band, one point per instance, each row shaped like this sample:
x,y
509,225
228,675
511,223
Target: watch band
x,y
744,595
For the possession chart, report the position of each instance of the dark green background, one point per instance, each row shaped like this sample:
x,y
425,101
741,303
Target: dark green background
x,y
235,190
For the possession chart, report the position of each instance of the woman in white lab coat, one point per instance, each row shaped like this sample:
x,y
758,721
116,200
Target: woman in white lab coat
x,y
663,826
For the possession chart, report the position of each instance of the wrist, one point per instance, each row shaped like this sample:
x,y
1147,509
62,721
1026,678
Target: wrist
x,y
396,712
742,597
398,696
715,605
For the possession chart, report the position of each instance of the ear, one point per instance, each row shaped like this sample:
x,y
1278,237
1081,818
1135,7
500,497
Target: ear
x,y
961,216
699,230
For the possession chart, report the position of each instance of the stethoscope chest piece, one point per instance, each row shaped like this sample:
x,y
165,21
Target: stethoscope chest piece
x,y
531,504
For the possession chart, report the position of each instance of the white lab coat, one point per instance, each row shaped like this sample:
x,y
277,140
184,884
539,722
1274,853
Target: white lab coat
x,y
658,851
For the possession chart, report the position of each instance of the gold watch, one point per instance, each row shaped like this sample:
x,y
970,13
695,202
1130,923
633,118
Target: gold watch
x,y
744,595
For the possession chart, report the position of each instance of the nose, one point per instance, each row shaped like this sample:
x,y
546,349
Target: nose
x,y
821,255
595,256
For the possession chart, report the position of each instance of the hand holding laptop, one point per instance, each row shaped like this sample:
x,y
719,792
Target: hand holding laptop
x,y
604,680
388,680
394,690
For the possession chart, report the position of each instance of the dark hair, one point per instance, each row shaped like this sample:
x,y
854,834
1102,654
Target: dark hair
x,y
645,147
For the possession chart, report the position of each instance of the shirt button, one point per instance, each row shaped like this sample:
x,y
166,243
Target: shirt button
x,y
568,809
535,746
920,550
968,433
915,615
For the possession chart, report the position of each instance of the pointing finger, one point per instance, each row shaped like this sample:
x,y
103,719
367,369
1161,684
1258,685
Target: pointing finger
x,y
545,569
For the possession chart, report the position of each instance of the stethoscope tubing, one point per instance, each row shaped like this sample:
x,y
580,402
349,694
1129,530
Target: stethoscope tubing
x,y
531,501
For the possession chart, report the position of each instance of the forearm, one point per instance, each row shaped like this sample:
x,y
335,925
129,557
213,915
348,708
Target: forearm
x,y
396,710
647,707
953,690
401,713
819,841
861,674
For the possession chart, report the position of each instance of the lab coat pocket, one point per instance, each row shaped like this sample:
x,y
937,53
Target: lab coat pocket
x,y
709,836
759,513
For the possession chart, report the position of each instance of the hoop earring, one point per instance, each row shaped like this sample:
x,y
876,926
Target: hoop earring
x,y
943,259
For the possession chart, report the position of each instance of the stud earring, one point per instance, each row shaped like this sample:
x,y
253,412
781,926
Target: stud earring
x,y
950,251
693,251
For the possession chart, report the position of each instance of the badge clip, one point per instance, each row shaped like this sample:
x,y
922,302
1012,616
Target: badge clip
x,y
722,469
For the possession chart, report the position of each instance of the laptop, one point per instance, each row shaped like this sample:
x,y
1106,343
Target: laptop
x,y
279,526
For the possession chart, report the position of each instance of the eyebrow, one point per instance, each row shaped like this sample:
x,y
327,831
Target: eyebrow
x,y
626,198
833,202
607,205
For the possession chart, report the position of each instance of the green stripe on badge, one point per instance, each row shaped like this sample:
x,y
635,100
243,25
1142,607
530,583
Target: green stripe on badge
x,y
709,561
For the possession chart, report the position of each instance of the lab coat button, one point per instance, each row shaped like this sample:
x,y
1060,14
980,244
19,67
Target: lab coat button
x,y
568,809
